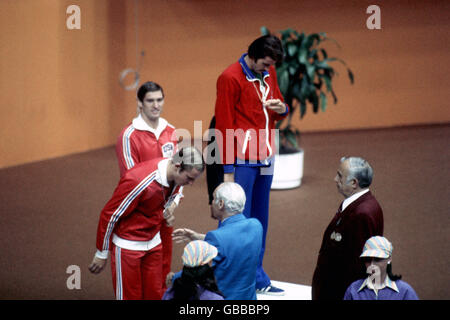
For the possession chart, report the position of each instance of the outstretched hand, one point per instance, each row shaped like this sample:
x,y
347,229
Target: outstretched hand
x,y
186,235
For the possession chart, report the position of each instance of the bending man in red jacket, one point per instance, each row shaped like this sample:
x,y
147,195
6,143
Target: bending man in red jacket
x,y
130,223
358,218
248,104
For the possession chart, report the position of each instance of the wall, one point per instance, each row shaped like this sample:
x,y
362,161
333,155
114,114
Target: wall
x,y
60,91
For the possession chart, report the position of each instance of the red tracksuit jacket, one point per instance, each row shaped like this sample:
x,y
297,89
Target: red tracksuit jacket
x,y
135,210
239,107
138,143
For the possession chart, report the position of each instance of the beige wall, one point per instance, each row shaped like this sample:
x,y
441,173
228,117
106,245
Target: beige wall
x,y
60,91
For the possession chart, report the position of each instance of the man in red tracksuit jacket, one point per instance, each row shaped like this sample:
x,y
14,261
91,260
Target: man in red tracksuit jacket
x,y
248,104
130,223
148,137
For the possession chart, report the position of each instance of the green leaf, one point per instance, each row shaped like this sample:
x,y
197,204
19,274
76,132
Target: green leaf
x,y
303,56
293,68
313,54
351,76
296,91
264,31
291,49
310,71
283,82
334,97
327,80
302,108
322,64
315,101
323,101
286,34
309,40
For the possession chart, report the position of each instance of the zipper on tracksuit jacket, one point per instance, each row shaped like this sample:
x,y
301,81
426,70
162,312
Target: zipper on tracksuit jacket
x,y
249,76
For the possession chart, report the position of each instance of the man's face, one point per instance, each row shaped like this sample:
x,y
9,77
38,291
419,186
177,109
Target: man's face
x,y
345,187
263,64
152,105
185,177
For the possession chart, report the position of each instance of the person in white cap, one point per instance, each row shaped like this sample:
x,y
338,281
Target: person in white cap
x,y
197,281
381,284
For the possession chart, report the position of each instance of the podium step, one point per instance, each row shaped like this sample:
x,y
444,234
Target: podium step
x,y
292,292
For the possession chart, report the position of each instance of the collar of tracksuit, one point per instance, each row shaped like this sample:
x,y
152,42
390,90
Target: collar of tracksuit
x,y
247,71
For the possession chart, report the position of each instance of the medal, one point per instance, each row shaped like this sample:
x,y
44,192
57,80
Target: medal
x,y
336,236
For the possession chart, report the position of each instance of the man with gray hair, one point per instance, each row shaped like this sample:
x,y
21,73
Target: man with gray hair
x,y
359,217
238,240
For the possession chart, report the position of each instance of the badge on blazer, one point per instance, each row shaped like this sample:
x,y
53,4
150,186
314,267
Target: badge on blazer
x,y
167,150
336,236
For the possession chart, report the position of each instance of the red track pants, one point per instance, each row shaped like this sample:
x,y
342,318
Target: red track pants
x,y
166,239
137,275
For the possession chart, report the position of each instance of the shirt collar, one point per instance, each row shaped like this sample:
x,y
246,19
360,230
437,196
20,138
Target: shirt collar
x,y
161,177
140,124
387,283
247,71
353,198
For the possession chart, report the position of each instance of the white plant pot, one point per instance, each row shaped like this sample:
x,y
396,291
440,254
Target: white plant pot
x,y
288,170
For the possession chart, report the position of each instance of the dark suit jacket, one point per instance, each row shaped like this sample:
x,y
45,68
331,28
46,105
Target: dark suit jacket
x,y
338,264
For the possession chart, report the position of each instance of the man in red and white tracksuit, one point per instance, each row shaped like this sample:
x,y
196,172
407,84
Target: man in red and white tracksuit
x,y
149,136
248,104
130,223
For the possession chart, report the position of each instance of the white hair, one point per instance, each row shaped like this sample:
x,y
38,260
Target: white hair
x,y
360,170
233,197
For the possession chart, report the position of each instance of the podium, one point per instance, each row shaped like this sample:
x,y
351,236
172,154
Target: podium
x,y
292,292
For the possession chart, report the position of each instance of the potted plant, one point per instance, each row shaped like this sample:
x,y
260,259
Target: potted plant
x,y
305,77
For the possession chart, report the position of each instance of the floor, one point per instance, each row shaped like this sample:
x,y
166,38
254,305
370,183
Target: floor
x,y
49,214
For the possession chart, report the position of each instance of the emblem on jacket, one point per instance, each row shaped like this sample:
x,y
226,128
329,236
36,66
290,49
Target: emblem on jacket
x,y
336,236
167,150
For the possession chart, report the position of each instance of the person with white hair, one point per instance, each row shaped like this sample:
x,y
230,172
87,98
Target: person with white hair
x,y
238,240
358,218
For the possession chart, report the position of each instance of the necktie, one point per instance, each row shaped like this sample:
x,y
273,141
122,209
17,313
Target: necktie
x,y
338,213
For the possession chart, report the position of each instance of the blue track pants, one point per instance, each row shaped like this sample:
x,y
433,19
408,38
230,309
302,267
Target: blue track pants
x,y
257,191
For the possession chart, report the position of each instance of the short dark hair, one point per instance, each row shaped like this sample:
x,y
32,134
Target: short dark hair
x,y
149,86
266,46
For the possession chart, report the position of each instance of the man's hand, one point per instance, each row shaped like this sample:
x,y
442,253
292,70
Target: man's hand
x,y
97,265
276,105
186,235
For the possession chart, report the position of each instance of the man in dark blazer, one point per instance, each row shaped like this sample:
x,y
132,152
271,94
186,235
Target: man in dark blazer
x,y
359,217
238,240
